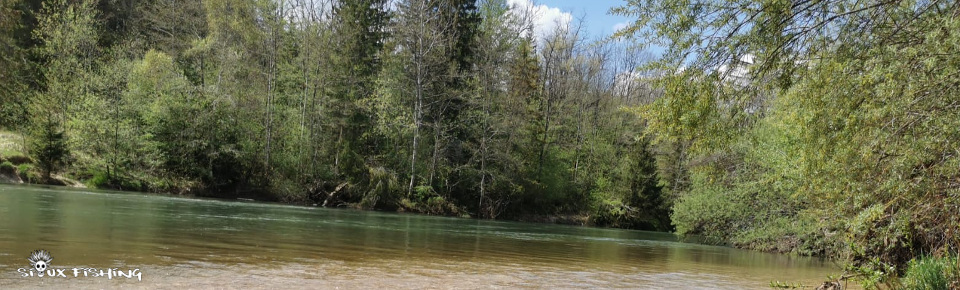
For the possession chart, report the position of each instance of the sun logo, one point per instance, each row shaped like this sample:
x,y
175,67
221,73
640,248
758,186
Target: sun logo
x,y
40,260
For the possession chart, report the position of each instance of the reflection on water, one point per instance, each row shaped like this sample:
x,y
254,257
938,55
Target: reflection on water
x,y
200,243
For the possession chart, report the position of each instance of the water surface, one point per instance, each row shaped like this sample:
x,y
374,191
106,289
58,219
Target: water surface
x,y
202,243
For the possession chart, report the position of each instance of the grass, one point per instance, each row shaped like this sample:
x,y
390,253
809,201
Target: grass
x,y
786,285
11,144
14,157
931,273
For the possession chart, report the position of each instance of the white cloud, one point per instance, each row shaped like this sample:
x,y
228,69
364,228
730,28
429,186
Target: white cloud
x,y
545,18
619,26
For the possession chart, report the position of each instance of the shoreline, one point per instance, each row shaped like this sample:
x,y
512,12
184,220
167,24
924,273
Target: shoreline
x,y
562,220
579,220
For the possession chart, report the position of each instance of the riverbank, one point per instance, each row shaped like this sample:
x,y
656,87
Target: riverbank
x,y
17,167
922,271
13,176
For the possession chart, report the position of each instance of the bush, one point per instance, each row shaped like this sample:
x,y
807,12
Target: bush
x,y
710,212
615,214
24,168
115,181
930,273
99,180
18,159
7,168
426,200
286,190
794,234
384,188
28,173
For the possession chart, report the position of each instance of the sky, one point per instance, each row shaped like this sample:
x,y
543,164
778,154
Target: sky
x,y
597,23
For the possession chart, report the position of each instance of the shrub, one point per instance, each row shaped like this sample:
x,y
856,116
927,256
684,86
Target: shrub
x,y
117,181
383,190
23,168
7,168
28,173
710,212
99,180
18,159
286,190
930,273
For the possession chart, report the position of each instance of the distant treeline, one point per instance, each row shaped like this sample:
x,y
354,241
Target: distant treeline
x,y
451,107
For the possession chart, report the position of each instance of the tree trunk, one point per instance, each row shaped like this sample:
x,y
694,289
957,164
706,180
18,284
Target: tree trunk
x,y
418,112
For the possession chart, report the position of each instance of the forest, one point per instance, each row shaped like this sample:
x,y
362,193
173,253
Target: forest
x,y
825,127
440,107
838,137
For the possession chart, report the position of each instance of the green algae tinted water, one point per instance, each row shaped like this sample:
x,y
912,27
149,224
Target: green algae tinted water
x,y
191,243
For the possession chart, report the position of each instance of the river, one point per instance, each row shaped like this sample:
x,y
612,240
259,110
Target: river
x,y
191,243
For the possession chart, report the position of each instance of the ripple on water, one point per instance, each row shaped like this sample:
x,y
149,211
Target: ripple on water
x,y
202,243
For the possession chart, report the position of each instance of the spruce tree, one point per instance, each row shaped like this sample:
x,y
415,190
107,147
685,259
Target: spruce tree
x,y
359,35
50,147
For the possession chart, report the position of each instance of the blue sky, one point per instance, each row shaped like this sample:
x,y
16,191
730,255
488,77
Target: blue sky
x,y
598,23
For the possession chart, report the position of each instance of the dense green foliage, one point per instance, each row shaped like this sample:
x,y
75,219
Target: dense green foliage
x,y
814,127
438,106
927,273
838,136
